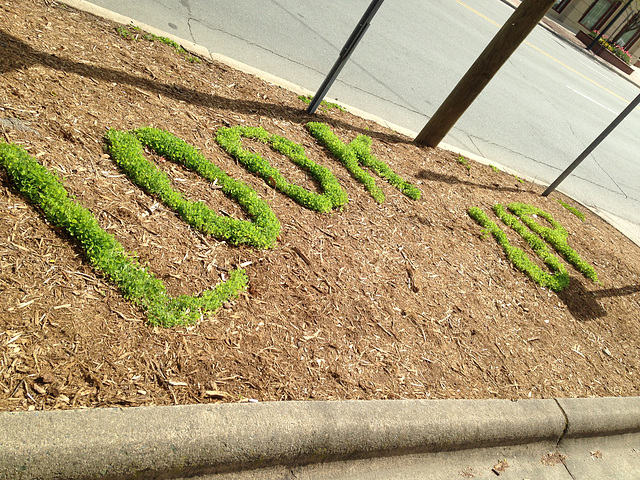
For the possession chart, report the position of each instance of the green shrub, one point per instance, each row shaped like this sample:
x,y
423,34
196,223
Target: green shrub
x,y
324,105
230,139
573,210
126,149
556,235
556,282
359,152
463,161
104,252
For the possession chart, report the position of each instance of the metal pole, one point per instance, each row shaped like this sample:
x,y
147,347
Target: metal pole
x,y
346,52
593,145
595,40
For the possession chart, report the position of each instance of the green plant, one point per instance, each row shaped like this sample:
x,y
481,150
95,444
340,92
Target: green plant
x,y
612,46
123,32
359,151
556,281
105,253
535,235
134,32
230,139
324,105
494,168
519,179
556,235
126,149
573,210
463,161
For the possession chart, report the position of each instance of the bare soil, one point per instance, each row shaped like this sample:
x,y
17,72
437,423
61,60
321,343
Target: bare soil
x,y
403,299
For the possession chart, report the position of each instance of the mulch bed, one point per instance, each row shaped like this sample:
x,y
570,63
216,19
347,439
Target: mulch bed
x,y
404,299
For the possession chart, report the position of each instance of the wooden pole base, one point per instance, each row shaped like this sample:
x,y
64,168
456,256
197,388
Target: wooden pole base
x,y
510,36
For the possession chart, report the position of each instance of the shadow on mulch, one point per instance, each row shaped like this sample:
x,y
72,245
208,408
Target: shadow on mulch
x,y
453,180
618,292
18,55
581,302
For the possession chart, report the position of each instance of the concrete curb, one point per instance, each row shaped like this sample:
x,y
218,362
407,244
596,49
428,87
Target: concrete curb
x,y
170,442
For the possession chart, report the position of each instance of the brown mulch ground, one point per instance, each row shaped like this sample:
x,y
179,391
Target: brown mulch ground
x,y
398,300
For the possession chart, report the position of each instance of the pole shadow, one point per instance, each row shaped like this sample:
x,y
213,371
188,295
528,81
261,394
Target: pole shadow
x,y
582,303
424,174
16,55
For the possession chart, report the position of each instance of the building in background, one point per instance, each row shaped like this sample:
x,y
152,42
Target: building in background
x,y
588,16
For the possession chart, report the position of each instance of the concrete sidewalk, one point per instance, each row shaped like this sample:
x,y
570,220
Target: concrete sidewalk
x,y
426,439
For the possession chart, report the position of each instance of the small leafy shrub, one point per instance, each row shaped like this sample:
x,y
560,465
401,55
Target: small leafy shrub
x,y
230,139
324,105
133,32
463,161
612,46
105,253
556,235
359,152
535,235
126,149
123,32
556,282
573,210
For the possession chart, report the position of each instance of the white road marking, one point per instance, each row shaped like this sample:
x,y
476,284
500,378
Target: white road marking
x,y
592,100
594,70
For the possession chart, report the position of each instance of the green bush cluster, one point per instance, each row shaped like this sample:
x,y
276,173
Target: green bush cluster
x,y
463,161
230,139
127,151
104,252
359,152
535,235
324,105
362,148
519,258
556,235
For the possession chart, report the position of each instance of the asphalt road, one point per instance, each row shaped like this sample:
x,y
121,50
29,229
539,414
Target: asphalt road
x,y
536,116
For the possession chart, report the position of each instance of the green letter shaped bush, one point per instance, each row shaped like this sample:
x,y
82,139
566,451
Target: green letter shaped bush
x,y
359,151
556,235
535,235
105,253
126,149
230,139
556,282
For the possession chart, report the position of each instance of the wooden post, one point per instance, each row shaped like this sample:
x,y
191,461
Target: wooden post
x,y
510,36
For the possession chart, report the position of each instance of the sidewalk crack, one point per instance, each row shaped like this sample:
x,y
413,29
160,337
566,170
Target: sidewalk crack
x,y
193,39
566,423
562,435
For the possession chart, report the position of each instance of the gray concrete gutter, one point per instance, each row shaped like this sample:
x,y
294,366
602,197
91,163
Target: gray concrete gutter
x,y
422,439
349,439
